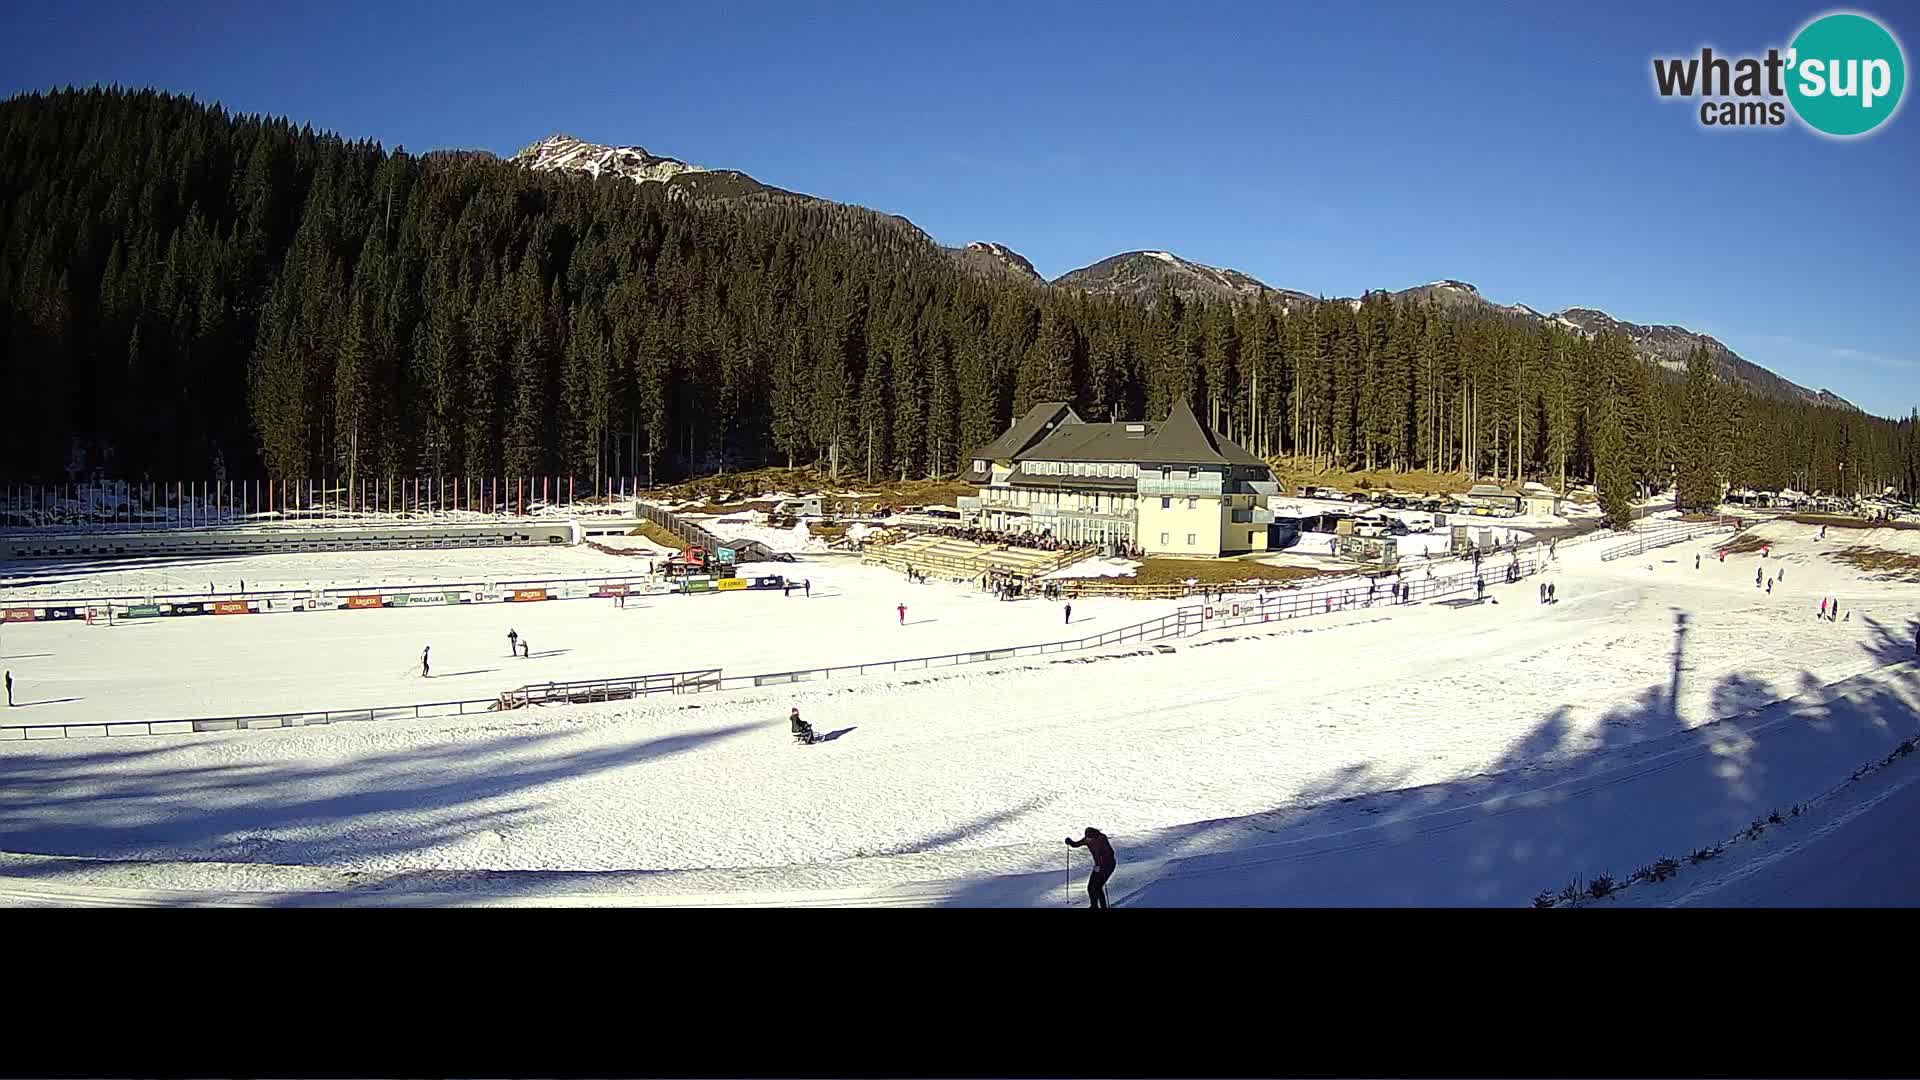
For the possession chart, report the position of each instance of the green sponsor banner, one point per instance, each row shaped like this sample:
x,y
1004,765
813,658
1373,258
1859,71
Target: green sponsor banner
x,y
398,600
455,598
725,554
143,611
695,585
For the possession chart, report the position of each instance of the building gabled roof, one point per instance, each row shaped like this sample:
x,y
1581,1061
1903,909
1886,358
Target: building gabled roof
x,y
1050,431
1184,440
1042,418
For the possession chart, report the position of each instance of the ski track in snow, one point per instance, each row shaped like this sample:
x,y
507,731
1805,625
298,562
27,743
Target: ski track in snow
x,y
1245,736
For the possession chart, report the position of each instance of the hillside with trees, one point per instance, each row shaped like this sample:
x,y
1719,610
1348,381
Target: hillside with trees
x,y
188,293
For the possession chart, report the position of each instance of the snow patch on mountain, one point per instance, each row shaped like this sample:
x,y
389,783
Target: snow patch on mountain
x,y
561,152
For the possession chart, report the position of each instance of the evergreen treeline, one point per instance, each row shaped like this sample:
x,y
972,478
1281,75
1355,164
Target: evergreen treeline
x,y
186,292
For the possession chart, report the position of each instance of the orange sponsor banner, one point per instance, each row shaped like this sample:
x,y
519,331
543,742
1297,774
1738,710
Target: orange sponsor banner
x,y
529,594
230,607
18,614
363,601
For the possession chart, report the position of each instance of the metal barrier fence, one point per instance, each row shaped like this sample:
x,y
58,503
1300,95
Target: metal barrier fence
x,y
112,505
580,691
250,722
1671,533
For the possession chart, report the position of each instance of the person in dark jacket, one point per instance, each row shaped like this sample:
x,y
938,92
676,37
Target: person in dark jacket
x,y
800,728
1069,615
1097,845
10,682
806,584
425,672
513,642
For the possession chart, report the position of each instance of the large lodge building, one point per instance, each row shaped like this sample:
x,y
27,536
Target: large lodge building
x,y
1176,487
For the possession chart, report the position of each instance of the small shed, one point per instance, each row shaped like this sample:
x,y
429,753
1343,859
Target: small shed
x,y
1538,500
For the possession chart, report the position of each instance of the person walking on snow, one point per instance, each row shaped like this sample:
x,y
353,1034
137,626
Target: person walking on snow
x,y
902,609
10,686
1823,607
526,649
1543,592
1696,560
1069,621
425,672
807,584
1550,598
513,642
1097,845
1756,577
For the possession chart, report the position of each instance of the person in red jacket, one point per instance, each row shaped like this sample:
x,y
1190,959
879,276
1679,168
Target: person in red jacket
x,y
1097,845
902,609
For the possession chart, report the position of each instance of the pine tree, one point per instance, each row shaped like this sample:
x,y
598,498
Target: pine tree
x,y
1698,480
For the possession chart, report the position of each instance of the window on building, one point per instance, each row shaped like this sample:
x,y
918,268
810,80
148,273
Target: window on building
x,y
1192,503
1193,473
1166,472
1163,539
1190,540
1166,502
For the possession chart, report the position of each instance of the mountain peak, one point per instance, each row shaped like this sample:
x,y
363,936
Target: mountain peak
x,y
1145,273
563,152
989,257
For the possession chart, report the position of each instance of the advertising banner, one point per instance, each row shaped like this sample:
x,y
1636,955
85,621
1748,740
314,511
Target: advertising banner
x,y
19,614
729,584
142,611
695,585
522,595
363,601
183,609
610,590
62,613
725,555
231,607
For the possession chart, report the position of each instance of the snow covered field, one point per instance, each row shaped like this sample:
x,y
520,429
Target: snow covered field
x,y
221,666
1434,754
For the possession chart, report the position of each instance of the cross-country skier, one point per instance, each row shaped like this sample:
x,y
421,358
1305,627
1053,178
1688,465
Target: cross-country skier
x,y
513,642
903,614
1756,577
1769,586
1069,621
1823,607
425,672
807,585
1696,560
1096,844
10,685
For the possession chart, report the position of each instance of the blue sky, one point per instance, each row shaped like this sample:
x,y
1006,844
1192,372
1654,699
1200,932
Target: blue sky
x,y
1329,148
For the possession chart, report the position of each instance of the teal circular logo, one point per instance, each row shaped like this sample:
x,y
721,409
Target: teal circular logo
x,y
1845,74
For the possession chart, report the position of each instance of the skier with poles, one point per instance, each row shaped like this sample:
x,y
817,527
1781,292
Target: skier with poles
x,y
1097,845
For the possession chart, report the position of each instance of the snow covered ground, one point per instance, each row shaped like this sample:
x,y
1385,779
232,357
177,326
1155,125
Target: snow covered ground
x,y
71,672
1434,754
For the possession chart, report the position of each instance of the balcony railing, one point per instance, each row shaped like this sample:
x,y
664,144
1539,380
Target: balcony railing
x,y
1204,484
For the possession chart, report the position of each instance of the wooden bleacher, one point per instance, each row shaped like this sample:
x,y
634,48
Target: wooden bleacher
x,y
951,558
